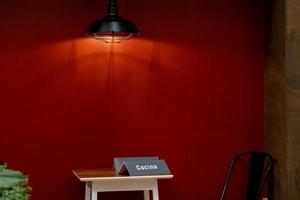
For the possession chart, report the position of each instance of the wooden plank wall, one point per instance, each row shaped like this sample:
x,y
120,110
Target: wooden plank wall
x,y
282,94
293,97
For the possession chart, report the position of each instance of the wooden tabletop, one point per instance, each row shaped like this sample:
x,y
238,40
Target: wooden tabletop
x,y
108,174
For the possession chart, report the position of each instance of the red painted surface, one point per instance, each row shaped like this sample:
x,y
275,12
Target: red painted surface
x,y
190,90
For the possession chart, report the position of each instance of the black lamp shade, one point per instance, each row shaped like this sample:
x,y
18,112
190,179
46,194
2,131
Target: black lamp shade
x,y
112,28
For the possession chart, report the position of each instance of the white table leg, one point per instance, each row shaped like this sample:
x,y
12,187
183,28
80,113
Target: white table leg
x,y
94,195
155,193
146,195
87,192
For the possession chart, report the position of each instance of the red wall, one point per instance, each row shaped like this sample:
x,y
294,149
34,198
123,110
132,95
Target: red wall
x,y
190,90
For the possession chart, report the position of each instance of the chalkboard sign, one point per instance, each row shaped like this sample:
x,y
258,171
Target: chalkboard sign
x,y
141,166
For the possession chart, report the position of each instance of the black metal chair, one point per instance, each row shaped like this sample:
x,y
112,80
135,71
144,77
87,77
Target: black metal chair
x,y
259,169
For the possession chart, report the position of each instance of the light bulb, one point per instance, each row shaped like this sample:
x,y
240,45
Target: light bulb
x,y
111,38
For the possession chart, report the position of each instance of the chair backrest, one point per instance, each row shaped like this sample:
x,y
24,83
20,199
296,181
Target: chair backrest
x,y
260,165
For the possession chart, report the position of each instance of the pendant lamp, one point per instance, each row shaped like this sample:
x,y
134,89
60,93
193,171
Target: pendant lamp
x,y
112,28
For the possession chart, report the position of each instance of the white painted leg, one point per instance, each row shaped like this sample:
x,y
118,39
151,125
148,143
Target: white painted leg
x,y
87,192
94,195
146,195
155,193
